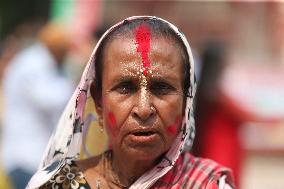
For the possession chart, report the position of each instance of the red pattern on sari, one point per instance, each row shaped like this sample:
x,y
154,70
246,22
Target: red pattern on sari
x,y
192,172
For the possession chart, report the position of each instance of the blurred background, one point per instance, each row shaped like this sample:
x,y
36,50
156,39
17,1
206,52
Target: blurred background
x,y
239,53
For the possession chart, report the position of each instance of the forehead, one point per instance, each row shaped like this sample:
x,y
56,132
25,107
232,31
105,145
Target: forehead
x,y
163,52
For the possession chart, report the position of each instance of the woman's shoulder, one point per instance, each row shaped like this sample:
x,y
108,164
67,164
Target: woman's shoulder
x,y
80,174
193,172
205,171
68,176
202,164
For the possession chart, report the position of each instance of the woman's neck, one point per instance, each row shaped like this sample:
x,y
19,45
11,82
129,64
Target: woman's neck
x,y
128,170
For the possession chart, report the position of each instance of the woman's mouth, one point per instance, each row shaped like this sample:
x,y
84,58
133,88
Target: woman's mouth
x,y
144,136
143,133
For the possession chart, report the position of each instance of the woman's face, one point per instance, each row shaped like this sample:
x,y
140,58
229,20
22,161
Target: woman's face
x,y
142,110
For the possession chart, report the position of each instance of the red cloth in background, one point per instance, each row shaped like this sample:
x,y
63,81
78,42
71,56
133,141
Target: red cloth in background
x,y
217,138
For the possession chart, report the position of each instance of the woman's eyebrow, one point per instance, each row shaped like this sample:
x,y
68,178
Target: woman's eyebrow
x,y
159,78
125,78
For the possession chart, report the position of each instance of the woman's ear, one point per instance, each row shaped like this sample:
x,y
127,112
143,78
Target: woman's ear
x,y
97,97
99,110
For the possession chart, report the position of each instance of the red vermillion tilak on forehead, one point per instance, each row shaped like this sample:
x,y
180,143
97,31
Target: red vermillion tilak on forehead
x,y
142,39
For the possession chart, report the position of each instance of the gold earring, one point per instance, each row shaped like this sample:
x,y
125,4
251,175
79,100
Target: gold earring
x,y
100,121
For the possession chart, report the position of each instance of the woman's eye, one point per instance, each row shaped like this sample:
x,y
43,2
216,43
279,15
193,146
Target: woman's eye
x,y
125,88
161,88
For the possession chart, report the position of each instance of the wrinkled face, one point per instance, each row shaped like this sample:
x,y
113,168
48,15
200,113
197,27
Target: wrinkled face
x,y
142,95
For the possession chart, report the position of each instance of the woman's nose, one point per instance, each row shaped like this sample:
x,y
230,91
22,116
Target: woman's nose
x,y
144,108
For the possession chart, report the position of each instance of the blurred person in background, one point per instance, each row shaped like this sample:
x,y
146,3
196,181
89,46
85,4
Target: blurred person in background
x,y
8,49
79,53
20,37
216,125
35,92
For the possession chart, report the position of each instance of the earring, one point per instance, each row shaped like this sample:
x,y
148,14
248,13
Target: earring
x,y
100,121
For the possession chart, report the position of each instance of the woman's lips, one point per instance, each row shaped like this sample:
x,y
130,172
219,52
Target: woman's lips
x,y
144,136
143,133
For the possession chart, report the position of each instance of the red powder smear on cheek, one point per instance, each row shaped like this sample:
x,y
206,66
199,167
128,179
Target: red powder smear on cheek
x,y
172,129
143,37
112,123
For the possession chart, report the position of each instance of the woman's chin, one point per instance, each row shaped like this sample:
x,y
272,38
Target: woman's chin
x,y
143,150
143,154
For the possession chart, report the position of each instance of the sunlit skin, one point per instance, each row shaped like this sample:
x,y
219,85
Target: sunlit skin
x,y
142,112
130,103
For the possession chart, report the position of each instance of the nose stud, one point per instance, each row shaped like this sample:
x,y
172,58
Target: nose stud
x,y
153,109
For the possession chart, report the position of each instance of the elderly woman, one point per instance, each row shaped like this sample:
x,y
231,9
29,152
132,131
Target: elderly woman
x,y
141,79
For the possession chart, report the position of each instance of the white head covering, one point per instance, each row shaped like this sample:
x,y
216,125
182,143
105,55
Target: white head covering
x,y
65,143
